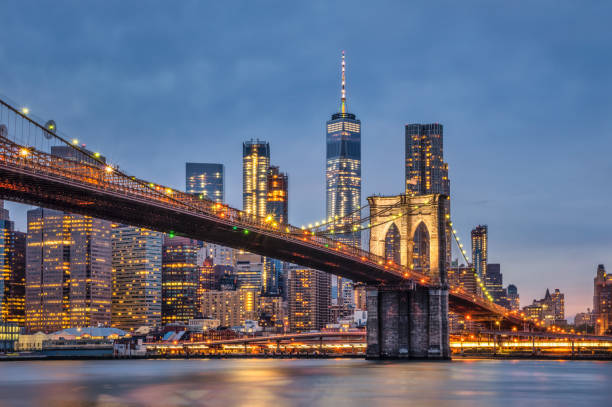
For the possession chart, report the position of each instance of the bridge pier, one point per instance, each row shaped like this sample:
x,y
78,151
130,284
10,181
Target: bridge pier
x,y
407,323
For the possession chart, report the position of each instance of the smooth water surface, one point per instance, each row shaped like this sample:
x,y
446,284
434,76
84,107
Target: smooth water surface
x,y
281,382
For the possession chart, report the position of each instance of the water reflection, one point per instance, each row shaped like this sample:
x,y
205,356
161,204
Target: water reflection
x,y
279,383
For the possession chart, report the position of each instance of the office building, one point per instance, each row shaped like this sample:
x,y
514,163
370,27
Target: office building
x,y
549,310
278,195
494,283
602,300
255,168
343,184
250,270
426,171
181,276
12,271
220,255
231,308
206,180
309,299
463,277
137,277
480,250
514,302
68,271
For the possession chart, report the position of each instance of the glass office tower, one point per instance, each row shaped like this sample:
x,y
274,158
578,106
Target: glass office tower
x,y
206,179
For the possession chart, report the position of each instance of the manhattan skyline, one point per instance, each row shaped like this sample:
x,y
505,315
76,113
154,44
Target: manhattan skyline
x,y
523,111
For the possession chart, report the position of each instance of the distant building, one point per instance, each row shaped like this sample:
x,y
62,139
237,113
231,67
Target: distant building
x,y
480,250
255,168
249,271
514,301
68,271
549,310
272,313
602,300
220,255
309,299
205,180
278,195
180,279
343,184
137,277
426,171
494,284
12,271
463,277
585,320
231,308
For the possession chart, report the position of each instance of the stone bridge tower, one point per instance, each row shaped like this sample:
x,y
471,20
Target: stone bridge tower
x,y
409,321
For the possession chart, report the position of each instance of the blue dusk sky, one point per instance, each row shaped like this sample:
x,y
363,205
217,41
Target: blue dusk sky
x,y
522,88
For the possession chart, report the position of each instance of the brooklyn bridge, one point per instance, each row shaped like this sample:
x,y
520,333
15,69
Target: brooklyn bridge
x,y
407,309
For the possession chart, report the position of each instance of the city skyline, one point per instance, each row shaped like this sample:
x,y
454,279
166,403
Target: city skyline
x,y
546,244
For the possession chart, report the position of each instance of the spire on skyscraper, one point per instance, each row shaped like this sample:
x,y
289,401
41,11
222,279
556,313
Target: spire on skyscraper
x,y
343,110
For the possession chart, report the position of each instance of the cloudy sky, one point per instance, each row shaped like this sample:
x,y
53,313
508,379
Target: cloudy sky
x,y
522,88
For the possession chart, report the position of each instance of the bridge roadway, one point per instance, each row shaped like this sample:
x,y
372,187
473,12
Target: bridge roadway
x,y
38,178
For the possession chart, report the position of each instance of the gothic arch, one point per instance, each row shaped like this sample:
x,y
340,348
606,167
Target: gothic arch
x,y
393,244
421,249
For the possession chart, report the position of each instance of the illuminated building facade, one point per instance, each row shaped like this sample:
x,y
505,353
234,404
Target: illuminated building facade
x,y
272,313
278,194
480,250
137,275
549,310
255,167
68,271
602,300
250,270
231,308
12,271
205,179
494,284
180,279
221,255
426,171
463,277
514,300
343,184
309,299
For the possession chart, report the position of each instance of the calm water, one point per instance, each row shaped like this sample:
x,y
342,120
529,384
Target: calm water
x,y
276,383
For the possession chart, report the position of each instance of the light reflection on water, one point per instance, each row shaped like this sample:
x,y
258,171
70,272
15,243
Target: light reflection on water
x,y
277,383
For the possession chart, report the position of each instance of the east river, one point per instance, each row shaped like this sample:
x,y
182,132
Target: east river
x,y
282,382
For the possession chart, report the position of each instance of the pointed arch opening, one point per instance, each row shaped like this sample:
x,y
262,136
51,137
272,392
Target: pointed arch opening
x,y
420,251
392,245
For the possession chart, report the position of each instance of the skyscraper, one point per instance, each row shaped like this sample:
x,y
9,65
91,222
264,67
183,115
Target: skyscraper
x,y
68,271
426,171
343,183
12,271
343,172
137,258
205,179
494,283
480,250
309,299
180,279
278,195
255,167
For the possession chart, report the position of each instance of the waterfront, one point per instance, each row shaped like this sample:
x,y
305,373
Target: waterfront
x,y
337,382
